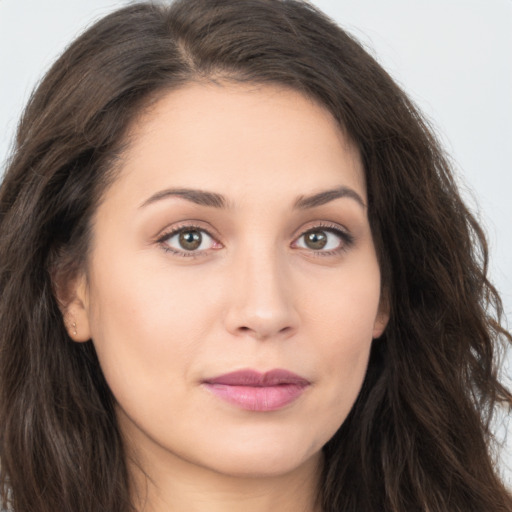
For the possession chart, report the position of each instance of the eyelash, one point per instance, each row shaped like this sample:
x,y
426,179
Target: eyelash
x,y
347,240
176,230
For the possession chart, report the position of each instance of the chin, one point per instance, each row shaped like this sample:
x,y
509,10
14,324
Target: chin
x,y
259,460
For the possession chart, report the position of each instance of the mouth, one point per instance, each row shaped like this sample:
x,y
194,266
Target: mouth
x,y
259,392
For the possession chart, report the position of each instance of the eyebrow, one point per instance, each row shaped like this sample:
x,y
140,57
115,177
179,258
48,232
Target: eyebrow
x,y
214,200
200,197
312,201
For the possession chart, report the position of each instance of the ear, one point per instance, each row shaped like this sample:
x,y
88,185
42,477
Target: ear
x,y
382,318
73,300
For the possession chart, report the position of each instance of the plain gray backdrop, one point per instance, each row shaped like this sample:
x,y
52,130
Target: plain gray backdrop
x,y
453,57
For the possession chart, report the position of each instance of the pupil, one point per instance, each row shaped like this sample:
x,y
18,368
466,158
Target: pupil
x,y
190,240
316,240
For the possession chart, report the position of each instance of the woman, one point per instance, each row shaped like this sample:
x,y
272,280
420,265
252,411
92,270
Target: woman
x,y
236,272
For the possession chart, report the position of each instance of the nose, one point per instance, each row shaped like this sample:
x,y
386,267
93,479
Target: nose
x,y
261,304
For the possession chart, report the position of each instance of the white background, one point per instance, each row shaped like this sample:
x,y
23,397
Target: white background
x,y
453,57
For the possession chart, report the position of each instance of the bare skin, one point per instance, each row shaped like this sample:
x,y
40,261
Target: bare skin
x,y
183,287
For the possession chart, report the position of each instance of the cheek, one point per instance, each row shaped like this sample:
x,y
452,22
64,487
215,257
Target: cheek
x,y
341,322
147,325
345,306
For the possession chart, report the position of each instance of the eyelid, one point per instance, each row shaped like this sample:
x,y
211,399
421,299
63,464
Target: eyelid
x,y
187,223
191,225
347,239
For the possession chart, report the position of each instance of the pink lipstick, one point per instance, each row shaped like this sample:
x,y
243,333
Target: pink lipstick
x,y
254,391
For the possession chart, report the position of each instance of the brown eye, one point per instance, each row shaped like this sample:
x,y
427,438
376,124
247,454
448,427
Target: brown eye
x,y
190,240
315,240
324,241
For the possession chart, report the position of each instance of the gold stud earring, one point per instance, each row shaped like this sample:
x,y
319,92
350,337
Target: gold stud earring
x,y
74,328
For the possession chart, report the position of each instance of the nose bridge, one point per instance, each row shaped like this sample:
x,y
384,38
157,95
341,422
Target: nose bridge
x,y
261,302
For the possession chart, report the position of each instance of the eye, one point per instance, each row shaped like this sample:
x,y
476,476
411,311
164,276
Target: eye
x,y
325,240
188,241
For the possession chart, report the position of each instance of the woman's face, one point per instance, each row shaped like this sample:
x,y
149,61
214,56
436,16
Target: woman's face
x,y
235,242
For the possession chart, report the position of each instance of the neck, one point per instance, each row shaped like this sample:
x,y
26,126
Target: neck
x,y
184,486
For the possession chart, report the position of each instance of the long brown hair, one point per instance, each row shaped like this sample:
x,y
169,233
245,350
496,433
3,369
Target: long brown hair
x,y
418,437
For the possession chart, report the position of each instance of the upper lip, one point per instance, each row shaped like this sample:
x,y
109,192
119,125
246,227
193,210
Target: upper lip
x,y
254,378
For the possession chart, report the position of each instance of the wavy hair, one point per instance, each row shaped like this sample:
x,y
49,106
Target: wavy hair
x,y
418,437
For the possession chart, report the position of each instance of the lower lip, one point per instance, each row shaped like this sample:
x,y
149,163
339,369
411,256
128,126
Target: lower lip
x,y
261,399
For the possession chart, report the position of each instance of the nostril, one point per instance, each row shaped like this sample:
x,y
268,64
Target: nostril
x,y
262,333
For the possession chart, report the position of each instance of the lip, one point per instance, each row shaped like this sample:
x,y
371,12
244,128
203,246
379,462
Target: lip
x,y
255,391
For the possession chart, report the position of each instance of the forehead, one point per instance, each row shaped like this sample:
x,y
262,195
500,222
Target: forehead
x,y
230,137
